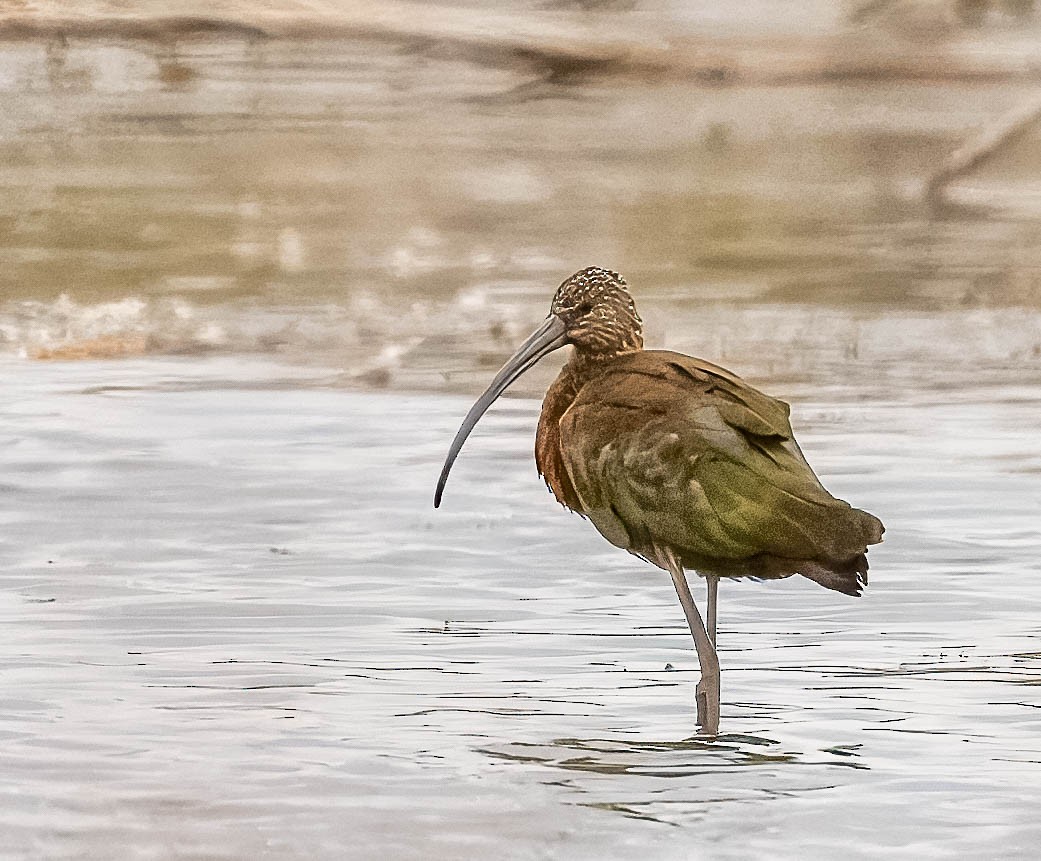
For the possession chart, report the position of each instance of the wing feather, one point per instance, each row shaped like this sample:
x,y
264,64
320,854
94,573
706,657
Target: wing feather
x,y
683,454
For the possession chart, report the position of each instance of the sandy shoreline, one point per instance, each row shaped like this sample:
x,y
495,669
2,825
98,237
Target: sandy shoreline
x,y
560,43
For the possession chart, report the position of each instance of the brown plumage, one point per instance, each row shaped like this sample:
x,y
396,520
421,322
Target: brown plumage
x,y
657,448
678,460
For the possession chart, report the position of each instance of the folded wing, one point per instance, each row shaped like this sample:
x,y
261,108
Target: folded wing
x,y
670,451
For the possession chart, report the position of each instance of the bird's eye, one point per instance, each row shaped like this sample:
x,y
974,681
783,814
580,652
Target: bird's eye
x,y
585,307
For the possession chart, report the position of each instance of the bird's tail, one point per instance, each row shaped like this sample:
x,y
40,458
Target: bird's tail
x,y
849,574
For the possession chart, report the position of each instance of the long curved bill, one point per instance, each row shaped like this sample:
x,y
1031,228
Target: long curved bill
x,y
550,336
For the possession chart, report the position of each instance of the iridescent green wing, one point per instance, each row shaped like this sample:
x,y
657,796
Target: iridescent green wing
x,y
665,450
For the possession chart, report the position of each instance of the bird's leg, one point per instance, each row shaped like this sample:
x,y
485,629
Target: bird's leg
x,y
713,587
707,691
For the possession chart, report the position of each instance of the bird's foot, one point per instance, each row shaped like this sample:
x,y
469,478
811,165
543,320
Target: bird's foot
x,y
707,695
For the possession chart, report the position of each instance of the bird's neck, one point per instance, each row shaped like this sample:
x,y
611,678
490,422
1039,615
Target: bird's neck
x,y
585,364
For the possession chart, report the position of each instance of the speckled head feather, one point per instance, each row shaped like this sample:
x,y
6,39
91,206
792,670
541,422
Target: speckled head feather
x,y
599,313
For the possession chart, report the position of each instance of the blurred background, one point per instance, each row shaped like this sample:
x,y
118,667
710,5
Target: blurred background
x,y
394,189
256,258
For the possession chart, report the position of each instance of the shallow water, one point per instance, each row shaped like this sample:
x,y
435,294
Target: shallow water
x,y
248,288
234,625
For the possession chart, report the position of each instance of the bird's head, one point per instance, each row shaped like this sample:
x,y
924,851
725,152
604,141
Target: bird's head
x,y
591,310
598,313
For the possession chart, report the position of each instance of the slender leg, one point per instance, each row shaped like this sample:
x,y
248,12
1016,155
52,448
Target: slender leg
x,y
707,691
713,587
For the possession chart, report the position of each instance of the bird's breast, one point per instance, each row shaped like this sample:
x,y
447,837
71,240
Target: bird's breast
x,y
548,455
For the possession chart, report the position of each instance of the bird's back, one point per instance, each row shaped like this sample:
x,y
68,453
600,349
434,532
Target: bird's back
x,y
665,451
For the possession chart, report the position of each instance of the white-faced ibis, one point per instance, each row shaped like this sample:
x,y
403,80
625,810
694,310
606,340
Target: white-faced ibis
x,y
678,461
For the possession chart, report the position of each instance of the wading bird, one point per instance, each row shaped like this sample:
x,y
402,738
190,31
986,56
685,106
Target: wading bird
x,y
678,461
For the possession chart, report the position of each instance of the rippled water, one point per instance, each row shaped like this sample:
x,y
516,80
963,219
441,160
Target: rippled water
x,y
248,288
234,625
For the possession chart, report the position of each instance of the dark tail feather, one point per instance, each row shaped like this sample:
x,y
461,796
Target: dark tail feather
x,y
872,528
848,576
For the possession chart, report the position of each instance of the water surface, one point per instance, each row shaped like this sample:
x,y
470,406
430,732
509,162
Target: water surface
x,y
248,289
234,625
